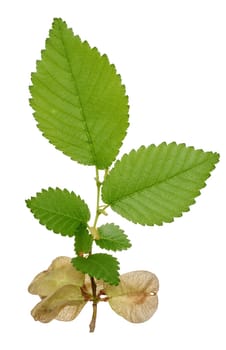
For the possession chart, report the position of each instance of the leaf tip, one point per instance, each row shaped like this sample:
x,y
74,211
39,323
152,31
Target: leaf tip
x,y
58,21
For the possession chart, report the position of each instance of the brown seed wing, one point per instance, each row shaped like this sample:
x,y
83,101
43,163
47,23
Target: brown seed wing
x,y
135,298
55,305
60,273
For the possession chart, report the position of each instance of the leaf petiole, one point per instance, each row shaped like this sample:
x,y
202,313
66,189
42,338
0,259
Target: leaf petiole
x,y
98,185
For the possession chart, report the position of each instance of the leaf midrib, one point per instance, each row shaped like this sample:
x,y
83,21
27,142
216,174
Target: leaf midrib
x,y
157,183
90,142
57,213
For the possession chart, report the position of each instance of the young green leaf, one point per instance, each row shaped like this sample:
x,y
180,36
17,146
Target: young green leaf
x,y
83,242
78,99
155,184
112,238
101,266
60,211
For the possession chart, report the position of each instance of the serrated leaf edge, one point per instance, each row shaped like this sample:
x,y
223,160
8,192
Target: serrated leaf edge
x,y
111,249
81,269
52,189
145,148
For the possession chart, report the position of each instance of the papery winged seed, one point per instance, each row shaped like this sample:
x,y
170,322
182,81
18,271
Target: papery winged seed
x,y
69,313
60,273
135,298
51,307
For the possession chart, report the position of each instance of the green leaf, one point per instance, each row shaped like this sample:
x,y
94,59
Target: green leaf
x,y
83,242
112,238
60,211
78,99
155,184
101,266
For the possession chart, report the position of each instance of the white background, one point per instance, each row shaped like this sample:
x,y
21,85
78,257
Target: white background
x,y
172,58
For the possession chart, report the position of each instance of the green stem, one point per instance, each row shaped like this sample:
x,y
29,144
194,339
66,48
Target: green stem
x,y
93,283
104,207
98,184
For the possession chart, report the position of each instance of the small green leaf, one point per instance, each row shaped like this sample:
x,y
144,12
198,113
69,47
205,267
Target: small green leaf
x,y
60,211
101,266
155,184
112,238
78,99
83,242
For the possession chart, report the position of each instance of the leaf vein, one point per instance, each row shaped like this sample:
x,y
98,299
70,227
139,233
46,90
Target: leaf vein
x,y
149,186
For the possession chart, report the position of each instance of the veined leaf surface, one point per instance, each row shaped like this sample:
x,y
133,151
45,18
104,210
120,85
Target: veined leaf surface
x,y
78,99
155,184
101,266
60,211
111,237
83,242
